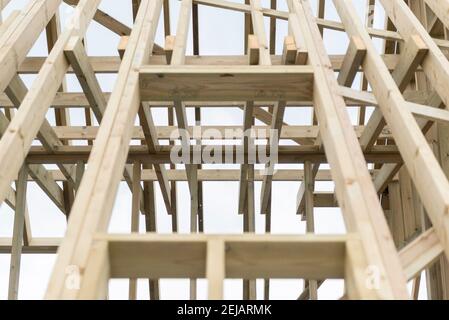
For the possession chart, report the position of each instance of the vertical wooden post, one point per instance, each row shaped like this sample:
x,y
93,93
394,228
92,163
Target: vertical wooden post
x,y
137,172
215,268
19,223
310,220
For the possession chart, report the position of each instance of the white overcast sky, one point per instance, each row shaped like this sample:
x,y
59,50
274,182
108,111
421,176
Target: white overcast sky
x,y
220,34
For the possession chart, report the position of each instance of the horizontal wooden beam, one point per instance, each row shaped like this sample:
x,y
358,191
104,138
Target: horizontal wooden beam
x,y
226,83
223,175
79,100
36,245
286,154
420,253
204,132
111,64
247,256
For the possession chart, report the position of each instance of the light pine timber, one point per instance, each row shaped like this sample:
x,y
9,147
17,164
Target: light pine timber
x,y
19,224
375,239
247,256
177,59
17,91
215,269
225,83
257,55
136,195
322,23
17,40
419,95
413,54
76,55
4,3
111,64
351,63
277,113
16,142
94,201
425,171
292,132
40,174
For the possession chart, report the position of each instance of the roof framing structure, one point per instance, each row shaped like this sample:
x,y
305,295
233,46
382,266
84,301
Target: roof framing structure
x,y
389,168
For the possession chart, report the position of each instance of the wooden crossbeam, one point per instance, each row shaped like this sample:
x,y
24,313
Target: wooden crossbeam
x,y
412,57
429,113
76,100
420,253
233,154
163,253
226,83
110,64
149,175
388,171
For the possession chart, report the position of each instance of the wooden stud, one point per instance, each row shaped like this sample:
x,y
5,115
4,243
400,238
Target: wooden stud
x,y
136,195
352,61
19,224
168,48
310,220
290,51
215,269
253,50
